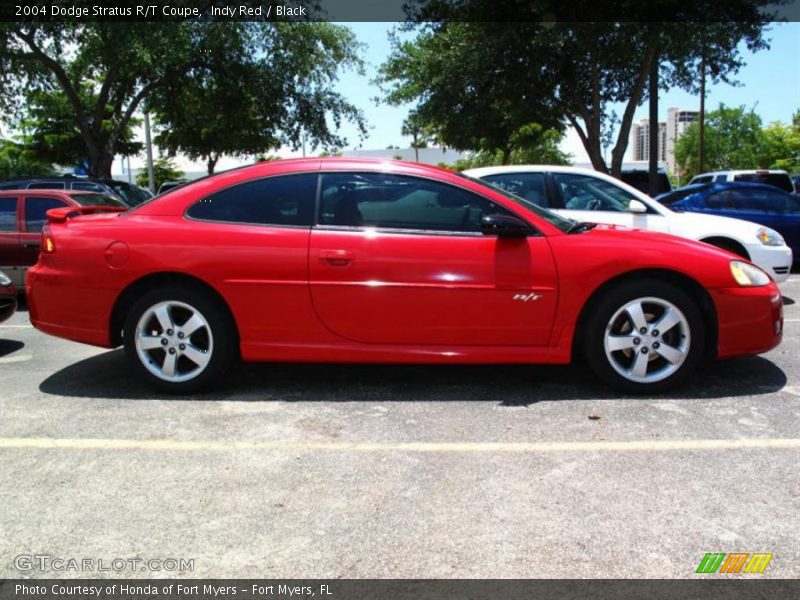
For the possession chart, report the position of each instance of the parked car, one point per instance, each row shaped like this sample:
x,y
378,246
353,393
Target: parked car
x,y
130,194
22,215
587,195
8,297
169,185
774,177
640,179
796,182
348,260
763,204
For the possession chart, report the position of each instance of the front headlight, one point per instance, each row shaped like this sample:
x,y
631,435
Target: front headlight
x,y
747,275
769,237
4,279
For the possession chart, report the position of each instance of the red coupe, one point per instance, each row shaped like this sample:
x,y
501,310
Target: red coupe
x,y
344,260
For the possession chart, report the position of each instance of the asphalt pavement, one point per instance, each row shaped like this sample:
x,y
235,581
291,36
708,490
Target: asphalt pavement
x,y
360,471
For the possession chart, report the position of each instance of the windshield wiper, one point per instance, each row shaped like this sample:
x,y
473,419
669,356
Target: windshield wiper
x,y
580,227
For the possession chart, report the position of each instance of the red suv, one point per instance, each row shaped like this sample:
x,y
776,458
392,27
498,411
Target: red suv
x,y
22,215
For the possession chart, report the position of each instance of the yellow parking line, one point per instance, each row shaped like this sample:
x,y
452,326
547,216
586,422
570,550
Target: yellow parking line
x,y
463,447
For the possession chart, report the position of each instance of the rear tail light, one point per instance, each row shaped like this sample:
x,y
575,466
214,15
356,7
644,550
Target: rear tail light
x,y
48,244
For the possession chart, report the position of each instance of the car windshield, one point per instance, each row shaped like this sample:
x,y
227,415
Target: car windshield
x,y
562,223
130,193
96,200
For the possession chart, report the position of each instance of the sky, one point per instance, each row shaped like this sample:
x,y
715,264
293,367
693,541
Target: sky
x,y
770,84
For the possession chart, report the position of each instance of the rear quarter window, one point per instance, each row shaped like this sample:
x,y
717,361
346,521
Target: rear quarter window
x,y
280,200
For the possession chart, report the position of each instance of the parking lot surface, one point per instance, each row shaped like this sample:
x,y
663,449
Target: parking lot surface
x,y
396,471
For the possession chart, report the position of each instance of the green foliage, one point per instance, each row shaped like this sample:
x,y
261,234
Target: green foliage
x,y
17,161
735,139
163,170
262,85
96,76
478,82
545,152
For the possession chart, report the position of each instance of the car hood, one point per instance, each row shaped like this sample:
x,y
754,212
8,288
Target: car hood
x,y
647,239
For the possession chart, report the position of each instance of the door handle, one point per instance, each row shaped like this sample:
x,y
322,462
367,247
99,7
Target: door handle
x,y
32,245
339,258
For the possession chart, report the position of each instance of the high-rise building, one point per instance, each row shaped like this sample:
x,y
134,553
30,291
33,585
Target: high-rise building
x,y
640,140
677,122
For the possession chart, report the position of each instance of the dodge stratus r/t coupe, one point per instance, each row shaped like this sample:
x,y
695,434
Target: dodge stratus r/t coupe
x,y
344,260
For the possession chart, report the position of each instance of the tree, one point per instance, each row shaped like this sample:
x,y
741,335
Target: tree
x,y
467,85
414,127
569,57
782,145
734,139
163,170
106,70
545,152
102,71
263,85
16,161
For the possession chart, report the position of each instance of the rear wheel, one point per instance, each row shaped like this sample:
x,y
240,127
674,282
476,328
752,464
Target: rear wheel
x,y
179,339
644,336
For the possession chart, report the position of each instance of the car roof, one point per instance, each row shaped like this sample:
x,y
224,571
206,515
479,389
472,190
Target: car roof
x,y
741,172
18,192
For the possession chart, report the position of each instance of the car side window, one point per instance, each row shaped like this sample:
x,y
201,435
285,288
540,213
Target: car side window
x,y
758,200
36,212
583,192
719,200
401,202
46,185
528,186
279,200
8,214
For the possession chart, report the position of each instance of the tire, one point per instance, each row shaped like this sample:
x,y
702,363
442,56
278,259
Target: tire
x,y
641,363
179,339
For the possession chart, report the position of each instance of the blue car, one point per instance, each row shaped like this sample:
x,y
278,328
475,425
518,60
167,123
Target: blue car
x,y
762,204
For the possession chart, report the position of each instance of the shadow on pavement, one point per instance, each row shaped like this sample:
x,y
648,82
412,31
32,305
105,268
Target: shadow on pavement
x,y
107,376
787,301
9,347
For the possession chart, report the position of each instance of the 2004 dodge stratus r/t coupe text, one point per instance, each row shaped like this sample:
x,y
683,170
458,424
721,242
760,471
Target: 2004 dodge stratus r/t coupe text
x,y
343,260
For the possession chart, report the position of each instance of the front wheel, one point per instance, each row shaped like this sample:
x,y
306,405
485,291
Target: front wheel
x,y
644,336
179,339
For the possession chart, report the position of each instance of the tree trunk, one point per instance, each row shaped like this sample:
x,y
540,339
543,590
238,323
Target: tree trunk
x,y
211,163
506,156
591,145
100,163
618,153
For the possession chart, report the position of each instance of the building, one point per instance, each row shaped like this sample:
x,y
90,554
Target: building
x,y
677,122
640,140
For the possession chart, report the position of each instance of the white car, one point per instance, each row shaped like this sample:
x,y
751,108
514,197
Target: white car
x,y
586,195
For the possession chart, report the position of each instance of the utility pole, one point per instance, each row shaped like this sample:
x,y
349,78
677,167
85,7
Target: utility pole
x,y
702,120
654,131
151,176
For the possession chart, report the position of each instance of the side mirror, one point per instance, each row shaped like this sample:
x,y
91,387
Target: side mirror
x,y
637,207
504,226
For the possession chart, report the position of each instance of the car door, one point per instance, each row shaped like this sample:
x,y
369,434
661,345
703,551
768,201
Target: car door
x,y
9,238
396,259
595,200
34,217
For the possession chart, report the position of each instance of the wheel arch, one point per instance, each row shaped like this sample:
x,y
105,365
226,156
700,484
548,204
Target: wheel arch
x,y
727,243
137,288
683,281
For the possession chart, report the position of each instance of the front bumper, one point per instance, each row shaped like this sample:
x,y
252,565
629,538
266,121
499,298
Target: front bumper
x,y
775,260
750,319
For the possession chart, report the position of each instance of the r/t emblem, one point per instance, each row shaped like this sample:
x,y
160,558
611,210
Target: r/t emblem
x,y
532,297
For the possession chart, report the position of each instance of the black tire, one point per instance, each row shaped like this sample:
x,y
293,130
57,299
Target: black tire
x,y
608,317
216,338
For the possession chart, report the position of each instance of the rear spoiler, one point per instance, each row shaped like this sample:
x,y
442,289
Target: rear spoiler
x,y
60,215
